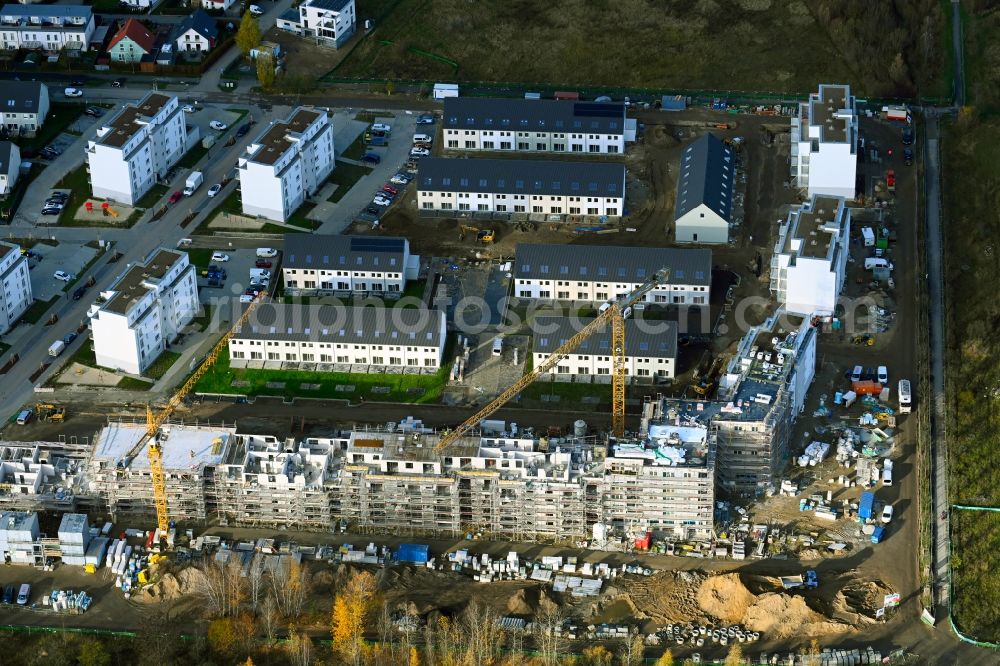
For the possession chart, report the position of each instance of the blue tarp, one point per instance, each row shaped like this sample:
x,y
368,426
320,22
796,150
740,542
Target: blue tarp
x,y
866,505
414,553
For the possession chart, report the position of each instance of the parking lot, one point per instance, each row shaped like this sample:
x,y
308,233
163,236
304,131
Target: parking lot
x,y
224,293
70,258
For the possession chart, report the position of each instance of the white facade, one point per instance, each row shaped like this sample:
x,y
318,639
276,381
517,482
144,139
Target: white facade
x,y
192,40
809,264
136,148
329,22
48,27
10,163
520,186
315,264
597,274
286,164
143,310
370,339
19,535
15,286
220,5
650,349
518,125
825,143
23,106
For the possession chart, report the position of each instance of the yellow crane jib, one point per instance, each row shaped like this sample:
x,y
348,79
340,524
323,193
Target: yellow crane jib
x,y
612,312
154,420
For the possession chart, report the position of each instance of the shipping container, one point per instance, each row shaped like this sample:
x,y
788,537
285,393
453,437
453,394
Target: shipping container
x,y
413,553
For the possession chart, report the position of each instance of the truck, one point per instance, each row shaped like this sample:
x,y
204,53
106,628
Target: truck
x,y
56,348
866,506
809,581
905,399
878,534
193,182
868,235
887,472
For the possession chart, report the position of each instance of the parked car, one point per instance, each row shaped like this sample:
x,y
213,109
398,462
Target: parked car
x,y
61,196
373,210
219,256
267,252
400,179
73,92
263,263
51,211
259,282
78,83
371,158
188,108
94,111
419,152
246,298
243,129
118,83
8,594
381,127
883,375
69,337
254,290
907,136
215,189
78,293
218,125
390,189
380,200
856,373
908,156
23,594
62,275
176,196
55,203
887,513
256,11
425,119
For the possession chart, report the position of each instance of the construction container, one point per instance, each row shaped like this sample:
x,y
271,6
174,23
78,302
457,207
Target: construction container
x,y
413,553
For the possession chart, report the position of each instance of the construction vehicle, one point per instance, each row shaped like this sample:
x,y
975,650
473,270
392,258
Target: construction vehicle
x,y
49,412
482,235
155,420
705,382
613,313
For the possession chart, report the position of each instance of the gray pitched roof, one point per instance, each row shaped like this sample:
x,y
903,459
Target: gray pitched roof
x,y
355,253
46,11
603,179
706,177
413,327
643,338
526,115
7,156
611,263
200,22
20,96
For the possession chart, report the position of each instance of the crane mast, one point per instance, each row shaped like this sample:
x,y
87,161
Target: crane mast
x,y
156,419
615,314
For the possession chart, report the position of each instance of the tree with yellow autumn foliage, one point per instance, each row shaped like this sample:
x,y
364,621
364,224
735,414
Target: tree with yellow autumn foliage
x,y
352,608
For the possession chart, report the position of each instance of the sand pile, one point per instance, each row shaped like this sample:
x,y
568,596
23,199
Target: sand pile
x,y
784,615
172,586
860,599
725,597
528,601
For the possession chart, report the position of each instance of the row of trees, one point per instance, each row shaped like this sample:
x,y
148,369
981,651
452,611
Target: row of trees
x,y
248,37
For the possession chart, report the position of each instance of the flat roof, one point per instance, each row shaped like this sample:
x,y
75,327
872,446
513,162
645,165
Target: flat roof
x,y
131,119
817,226
6,248
184,448
527,115
555,178
643,338
824,109
274,141
132,286
611,263
45,11
403,446
346,253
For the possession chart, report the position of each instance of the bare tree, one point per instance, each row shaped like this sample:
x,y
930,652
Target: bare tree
x,y
481,634
548,635
269,618
631,651
221,587
289,585
255,581
299,647
385,626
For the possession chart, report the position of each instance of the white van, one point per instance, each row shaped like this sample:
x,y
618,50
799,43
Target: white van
x,y
422,138
887,472
498,346
871,263
905,399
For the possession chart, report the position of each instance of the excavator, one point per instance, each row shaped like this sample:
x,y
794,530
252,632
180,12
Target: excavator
x,y
613,313
705,380
482,235
50,412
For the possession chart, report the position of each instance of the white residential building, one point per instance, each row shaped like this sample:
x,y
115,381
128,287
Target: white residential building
x,y
15,286
650,349
286,164
337,264
197,32
825,143
218,5
476,123
467,187
19,538
136,148
704,207
353,339
599,273
10,164
143,310
329,22
47,27
23,106
809,264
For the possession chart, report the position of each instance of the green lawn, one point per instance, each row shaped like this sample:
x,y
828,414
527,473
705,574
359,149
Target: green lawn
x,y
133,384
84,355
162,363
34,313
203,320
370,116
356,150
149,199
570,394
751,45
345,175
299,219
60,117
219,379
192,156
200,257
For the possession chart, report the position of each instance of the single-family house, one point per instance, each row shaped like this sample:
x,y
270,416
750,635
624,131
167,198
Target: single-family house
x,y
23,106
704,207
197,32
329,22
132,41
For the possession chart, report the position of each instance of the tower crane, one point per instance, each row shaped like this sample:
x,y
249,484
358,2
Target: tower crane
x,y
615,312
157,419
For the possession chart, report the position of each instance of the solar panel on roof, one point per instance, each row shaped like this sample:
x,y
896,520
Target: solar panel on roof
x,y
597,109
371,244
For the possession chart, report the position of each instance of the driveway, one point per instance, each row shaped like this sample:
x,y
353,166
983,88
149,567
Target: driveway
x,y
67,257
